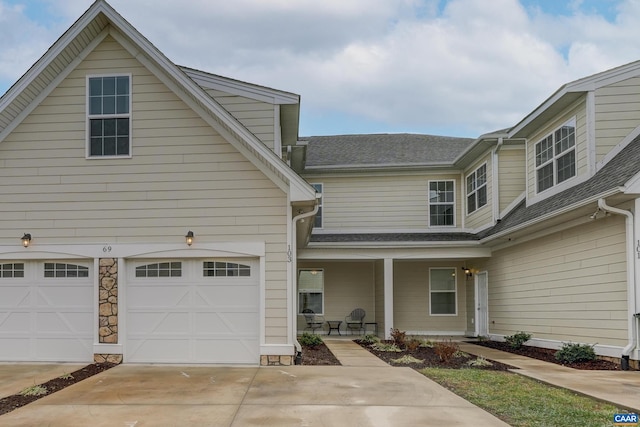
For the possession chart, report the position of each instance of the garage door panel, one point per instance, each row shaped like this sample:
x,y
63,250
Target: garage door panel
x,y
159,295
65,323
14,322
203,316
56,349
14,296
14,348
64,296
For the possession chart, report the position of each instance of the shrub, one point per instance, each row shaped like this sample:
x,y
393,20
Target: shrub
x,y
413,344
445,350
382,346
518,339
309,340
406,360
399,337
370,339
572,352
479,362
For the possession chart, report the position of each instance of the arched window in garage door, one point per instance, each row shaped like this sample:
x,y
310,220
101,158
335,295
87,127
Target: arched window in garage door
x,y
225,269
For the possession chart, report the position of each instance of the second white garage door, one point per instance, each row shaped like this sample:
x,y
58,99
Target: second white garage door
x,y
192,311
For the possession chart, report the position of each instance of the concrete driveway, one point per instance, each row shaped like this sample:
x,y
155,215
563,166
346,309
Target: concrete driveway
x,y
144,395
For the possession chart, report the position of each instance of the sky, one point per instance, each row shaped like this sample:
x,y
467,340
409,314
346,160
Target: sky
x,y
441,67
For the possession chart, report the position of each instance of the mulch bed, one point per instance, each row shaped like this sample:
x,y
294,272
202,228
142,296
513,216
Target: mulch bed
x,y
431,360
16,401
318,355
548,355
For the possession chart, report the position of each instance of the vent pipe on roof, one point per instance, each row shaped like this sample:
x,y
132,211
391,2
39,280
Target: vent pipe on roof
x,y
632,282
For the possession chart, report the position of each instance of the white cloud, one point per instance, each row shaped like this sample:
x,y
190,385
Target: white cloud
x,y
459,66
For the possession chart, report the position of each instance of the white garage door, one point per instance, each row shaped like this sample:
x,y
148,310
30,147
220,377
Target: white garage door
x,y
192,311
46,311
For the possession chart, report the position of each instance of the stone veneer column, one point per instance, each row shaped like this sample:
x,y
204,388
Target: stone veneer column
x,y
108,304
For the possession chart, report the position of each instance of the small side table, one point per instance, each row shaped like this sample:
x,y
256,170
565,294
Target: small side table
x,y
334,325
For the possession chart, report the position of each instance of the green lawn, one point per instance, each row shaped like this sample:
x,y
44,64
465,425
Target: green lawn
x,y
523,402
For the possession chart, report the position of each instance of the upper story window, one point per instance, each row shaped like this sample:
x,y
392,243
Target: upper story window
x,y
318,220
477,189
556,157
109,107
441,203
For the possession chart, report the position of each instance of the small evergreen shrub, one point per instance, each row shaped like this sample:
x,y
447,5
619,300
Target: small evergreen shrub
x,y
399,337
445,350
309,340
479,362
382,346
370,339
572,352
406,360
518,339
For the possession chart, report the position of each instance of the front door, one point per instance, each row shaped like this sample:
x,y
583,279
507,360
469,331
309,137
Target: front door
x,y
482,305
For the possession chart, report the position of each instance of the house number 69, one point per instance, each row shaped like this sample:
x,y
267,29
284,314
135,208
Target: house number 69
x,y
106,249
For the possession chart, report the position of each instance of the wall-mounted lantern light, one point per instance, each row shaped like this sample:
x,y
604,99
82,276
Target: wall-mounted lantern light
x,y
26,240
189,238
467,272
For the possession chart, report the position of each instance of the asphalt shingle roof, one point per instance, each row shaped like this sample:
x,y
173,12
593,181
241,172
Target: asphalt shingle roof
x,y
379,150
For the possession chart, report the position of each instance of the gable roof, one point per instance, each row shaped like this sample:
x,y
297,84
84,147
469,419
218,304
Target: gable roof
x,y
100,21
403,150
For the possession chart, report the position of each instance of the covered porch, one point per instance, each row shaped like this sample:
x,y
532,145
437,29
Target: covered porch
x,y
423,291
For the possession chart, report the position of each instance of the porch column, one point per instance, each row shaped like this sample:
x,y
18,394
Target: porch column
x,y
388,297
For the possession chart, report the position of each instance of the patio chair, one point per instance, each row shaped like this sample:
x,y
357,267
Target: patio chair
x,y
355,320
314,321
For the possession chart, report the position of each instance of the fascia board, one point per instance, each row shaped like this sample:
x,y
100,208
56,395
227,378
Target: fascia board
x,y
236,87
632,186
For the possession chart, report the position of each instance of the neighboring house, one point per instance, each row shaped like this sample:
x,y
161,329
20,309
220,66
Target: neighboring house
x,y
531,228
110,156
171,215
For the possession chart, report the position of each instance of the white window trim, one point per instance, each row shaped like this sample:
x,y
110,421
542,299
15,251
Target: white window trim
x,y
298,289
571,122
320,203
475,192
88,155
453,203
455,291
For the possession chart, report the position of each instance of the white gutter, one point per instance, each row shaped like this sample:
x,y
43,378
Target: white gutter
x,y
632,306
294,262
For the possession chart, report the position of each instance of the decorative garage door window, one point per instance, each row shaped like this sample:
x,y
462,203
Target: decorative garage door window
x,y
225,269
57,269
12,270
160,269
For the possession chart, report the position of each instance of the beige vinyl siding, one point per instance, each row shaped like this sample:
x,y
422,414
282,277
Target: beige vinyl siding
x,y
617,109
578,110
182,176
256,116
483,215
511,175
383,202
411,298
347,285
569,286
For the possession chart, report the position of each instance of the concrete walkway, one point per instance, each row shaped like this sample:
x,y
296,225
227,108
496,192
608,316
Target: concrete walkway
x,y
621,388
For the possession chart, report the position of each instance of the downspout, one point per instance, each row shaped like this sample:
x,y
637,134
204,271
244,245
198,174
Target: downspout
x,y
495,178
294,285
631,282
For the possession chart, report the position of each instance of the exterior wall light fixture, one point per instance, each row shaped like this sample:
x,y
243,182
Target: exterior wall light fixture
x,y
467,272
189,238
26,240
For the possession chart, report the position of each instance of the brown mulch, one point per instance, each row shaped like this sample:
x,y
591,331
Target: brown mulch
x,y
431,360
318,355
9,403
548,355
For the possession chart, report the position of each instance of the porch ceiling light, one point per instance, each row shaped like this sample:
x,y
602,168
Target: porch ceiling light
x,y
26,240
467,272
189,238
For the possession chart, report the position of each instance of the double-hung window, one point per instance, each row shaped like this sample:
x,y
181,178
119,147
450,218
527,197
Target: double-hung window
x,y
477,189
318,220
441,203
556,157
311,290
109,116
442,291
